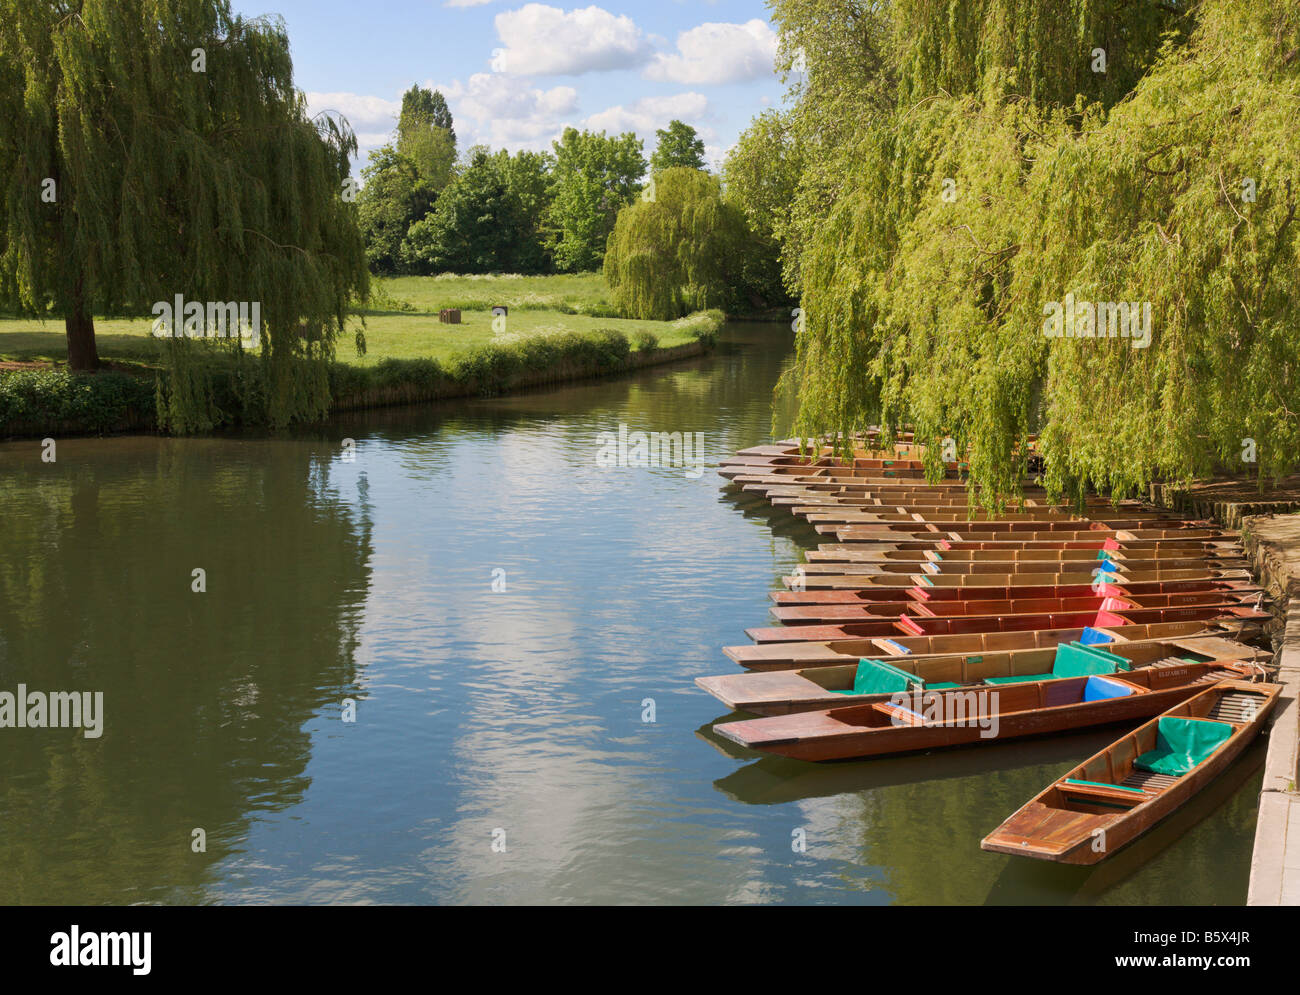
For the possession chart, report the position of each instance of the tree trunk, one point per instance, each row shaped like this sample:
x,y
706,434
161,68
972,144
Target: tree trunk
x,y
83,356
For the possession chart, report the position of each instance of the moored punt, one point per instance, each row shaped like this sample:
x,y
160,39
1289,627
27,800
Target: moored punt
x,y
829,596
842,614
983,532
781,692
1118,794
1031,520
927,720
803,581
920,552
911,625
1080,564
789,656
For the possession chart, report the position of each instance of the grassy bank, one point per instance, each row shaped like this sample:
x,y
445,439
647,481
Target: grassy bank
x,y
551,334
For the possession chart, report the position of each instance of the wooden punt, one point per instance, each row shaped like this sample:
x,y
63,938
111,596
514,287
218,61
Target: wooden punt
x,y
1112,798
929,720
1081,564
791,656
804,581
1033,519
895,532
913,625
877,465
930,552
843,614
829,596
872,497
782,692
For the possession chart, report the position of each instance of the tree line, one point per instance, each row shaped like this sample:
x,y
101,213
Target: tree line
x,y
426,209
670,237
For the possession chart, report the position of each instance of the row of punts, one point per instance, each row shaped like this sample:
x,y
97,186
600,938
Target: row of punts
x,y
929,624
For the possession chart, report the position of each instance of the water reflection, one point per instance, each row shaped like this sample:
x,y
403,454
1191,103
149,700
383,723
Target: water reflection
x,y
205,693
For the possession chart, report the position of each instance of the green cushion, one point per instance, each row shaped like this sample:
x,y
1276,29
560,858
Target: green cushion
x,y
1075,660
1101,653
878,677
1018,680
1182,744
940,687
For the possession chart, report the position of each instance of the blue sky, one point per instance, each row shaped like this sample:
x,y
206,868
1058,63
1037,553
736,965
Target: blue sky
x,y
515,74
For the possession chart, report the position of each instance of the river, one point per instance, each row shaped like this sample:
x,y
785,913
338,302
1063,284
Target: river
x,y
421,667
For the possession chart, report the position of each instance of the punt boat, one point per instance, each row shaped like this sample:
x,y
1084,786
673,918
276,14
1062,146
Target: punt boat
x,y
858,582
1115,796
933,595
927,720
781,692
910,625
842,614
790,656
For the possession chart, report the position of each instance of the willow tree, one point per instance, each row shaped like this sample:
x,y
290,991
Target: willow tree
x,y
676,250
151,148
1011,158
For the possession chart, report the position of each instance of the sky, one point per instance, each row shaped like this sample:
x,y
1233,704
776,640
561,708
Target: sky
x,y
516,74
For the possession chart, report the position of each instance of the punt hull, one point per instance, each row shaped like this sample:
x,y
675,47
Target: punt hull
x,y
962,625
781,735
928,594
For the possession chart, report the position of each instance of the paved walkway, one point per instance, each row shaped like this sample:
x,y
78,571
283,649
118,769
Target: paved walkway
x,y
1275,866
1273,541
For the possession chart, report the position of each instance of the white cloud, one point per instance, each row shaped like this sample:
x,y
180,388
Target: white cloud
x,y
505,111
371,118
648,114
718,53
364,114
715,156
466,3
546,41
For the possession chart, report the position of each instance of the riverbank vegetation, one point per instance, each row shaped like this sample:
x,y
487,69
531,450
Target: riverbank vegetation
x,y
554,330
967,168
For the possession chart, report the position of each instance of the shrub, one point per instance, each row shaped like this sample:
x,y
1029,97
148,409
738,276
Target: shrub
x,y
96,402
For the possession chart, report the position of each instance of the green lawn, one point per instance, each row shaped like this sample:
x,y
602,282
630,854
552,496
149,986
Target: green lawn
x,y
535,304
584,292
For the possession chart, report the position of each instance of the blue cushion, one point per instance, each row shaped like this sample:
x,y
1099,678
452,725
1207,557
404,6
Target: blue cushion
x,y
1099,689
1091,637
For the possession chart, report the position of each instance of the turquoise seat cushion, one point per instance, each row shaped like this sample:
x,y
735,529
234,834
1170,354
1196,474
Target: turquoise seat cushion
x,y
1182,744
942,686
1018,680
878,677
1075,660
